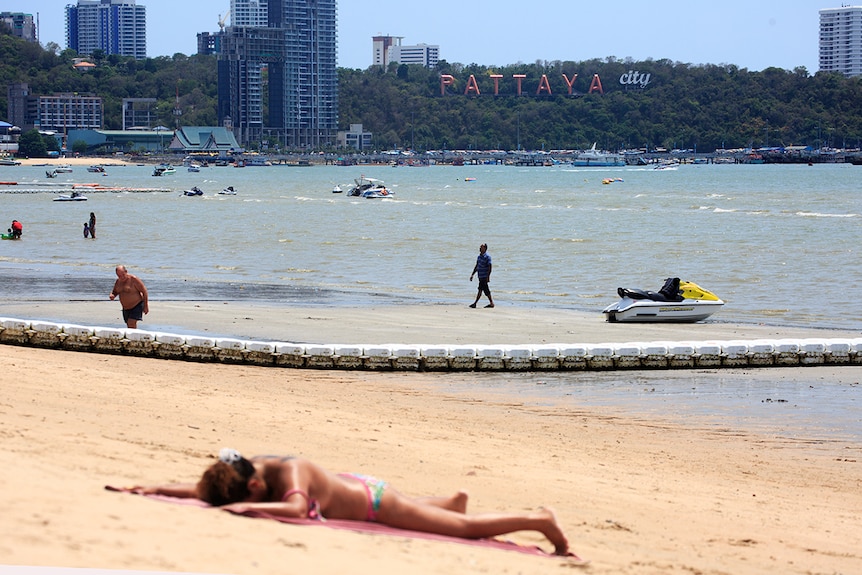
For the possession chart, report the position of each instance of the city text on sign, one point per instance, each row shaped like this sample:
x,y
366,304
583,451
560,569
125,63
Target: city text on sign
x,y
631,78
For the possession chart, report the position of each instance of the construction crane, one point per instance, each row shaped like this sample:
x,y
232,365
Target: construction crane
x,y
222,19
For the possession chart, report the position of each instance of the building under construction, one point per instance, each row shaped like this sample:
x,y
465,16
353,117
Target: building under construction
x,y
291,60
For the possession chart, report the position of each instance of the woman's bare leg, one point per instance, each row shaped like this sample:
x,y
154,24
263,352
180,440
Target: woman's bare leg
x,y
399,511
457,502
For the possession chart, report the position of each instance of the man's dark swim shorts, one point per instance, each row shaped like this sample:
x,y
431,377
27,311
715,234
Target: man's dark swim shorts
x,y
136,313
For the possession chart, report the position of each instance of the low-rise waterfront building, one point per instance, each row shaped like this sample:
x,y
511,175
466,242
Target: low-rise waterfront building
x,y
58,112
355,138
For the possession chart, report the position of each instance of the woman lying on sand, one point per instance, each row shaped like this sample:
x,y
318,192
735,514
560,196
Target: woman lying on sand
x,y
294,487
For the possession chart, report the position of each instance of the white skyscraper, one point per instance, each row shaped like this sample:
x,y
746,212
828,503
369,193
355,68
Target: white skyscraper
x,y
113,26
841,40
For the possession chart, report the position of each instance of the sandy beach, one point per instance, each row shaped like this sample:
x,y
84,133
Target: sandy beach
x,y
79,161
634,495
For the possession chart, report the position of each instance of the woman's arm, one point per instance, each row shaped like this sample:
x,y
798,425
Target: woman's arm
x,y
296,507
181,490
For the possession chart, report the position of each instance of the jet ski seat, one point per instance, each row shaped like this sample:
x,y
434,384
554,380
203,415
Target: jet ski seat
x,y
669,292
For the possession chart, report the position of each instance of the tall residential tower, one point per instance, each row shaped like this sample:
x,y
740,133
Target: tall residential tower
x,y
841,40
297,47
113,26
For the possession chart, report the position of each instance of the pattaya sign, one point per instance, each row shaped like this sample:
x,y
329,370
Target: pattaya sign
x,y
630,78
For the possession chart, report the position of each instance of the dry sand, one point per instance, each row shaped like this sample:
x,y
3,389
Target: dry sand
x,y
82,161
634,495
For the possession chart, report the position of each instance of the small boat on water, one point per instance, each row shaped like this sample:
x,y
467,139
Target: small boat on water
x,y
51,173
64,169
598,158
676,302
73,197
337,189
377,193
9,162
194,168
194,191
164,170
228,191
363,185
96,169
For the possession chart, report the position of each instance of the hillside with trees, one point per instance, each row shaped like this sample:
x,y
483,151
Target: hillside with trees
x,y
702,107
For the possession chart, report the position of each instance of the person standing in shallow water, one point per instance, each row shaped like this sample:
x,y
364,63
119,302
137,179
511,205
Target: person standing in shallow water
x,y
92,225
483,270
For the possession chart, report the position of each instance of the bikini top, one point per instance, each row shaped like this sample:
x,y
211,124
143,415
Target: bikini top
x,y
313,504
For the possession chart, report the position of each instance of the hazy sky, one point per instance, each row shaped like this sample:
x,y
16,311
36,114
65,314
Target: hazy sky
x,y
753,34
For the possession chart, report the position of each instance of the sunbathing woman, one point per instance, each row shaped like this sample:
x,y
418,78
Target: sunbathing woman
x,y
295,487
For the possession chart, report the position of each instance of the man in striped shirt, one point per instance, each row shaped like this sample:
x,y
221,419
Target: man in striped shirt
x,y
483,270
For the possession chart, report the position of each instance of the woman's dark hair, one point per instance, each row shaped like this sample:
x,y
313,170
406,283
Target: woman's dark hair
x,y
224,483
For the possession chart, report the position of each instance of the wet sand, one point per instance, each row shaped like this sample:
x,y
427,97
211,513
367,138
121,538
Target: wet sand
x,y
409,323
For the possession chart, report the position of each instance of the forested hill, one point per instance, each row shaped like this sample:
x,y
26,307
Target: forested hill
x,y
681,106
560,106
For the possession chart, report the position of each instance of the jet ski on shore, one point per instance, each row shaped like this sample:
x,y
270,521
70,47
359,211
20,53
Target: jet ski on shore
x,y
677,301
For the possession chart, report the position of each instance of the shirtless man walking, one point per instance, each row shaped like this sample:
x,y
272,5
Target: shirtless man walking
x,y
133,297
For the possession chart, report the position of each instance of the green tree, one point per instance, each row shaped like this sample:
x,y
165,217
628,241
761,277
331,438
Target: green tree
x,y
31,145
79,147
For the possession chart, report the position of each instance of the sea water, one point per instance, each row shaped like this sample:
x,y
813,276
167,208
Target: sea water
x,y
780,244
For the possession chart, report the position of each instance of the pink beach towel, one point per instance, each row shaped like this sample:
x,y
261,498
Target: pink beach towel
x,y
368,527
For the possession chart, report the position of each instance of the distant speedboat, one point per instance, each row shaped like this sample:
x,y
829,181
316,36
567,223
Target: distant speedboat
x,y
598,158
381,192
64,169
163,170
96,169
194,191
337,189
364,185
228,191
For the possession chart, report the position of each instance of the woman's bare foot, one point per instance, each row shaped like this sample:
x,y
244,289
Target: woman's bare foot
x,y
459,502
551,529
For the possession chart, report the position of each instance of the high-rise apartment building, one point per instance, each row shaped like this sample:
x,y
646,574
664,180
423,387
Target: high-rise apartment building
x,y
113,26
22,25
420,54
841,40
380,49
298,48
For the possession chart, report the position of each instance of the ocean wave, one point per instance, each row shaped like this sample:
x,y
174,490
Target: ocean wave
x,y
823,215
